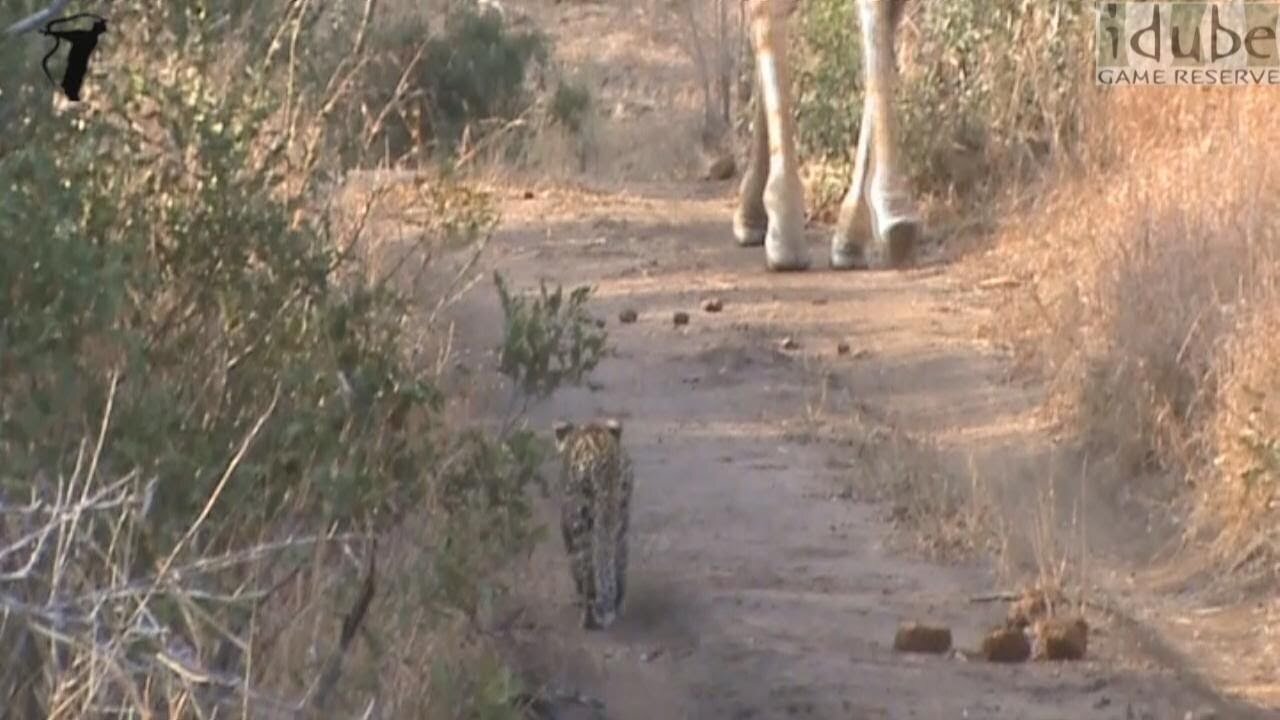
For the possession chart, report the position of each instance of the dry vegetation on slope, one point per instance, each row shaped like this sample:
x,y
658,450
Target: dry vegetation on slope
x,y
1150,267
1139,224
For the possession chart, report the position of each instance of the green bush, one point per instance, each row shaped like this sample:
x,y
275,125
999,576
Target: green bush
x,y
828,80
162,254
987,89
189,337
441,82
570,104
549,341
476,71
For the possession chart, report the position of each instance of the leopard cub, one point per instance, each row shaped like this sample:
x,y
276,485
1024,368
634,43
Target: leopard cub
x,y
595,507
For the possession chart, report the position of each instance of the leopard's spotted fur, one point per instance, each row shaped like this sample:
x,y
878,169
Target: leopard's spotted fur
x,y
595,484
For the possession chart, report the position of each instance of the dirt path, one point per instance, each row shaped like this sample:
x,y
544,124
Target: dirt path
x,y
757,590
764,582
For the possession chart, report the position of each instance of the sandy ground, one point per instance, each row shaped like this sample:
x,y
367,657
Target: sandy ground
x,y
768,571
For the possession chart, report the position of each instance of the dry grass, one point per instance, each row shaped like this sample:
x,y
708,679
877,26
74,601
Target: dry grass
x,y
1246,440
940,511
1149,270
946,514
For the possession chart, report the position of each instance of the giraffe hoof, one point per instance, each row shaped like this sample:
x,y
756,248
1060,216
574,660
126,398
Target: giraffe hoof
x,y
748,236
848,258
785,261
606,620
901,241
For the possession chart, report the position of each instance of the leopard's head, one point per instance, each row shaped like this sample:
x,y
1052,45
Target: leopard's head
x,y
564,431
614,426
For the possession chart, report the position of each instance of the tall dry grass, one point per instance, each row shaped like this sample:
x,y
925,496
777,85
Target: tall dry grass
x,y
1149,270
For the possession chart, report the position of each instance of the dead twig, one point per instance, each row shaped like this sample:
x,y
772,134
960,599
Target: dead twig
x,y
35,20
995,597
488,140
208,506
350,625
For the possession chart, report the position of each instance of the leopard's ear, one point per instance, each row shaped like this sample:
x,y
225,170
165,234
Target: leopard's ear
x,y
614,427
562,428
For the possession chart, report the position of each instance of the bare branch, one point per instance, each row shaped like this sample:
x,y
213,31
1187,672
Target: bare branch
x,y
36,20
350,625
213,497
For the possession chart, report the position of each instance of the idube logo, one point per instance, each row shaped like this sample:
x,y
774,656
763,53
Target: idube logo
x,y
1228,42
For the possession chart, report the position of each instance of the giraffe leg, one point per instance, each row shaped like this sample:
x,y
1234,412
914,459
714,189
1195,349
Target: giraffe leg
x,y
853,226
783,195
750,221
878,205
